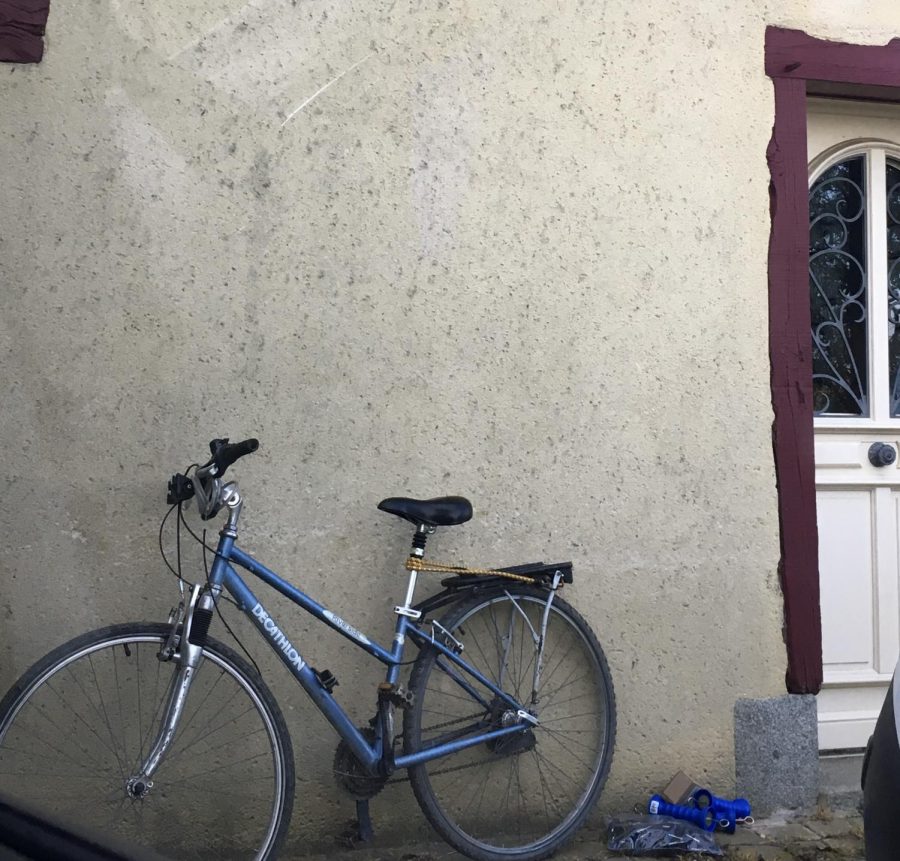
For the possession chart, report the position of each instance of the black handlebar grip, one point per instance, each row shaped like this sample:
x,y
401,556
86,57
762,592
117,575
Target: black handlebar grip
x,y
225,453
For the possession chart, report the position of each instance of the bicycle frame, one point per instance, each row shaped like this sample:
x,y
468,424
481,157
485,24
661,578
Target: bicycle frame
x,y
380,752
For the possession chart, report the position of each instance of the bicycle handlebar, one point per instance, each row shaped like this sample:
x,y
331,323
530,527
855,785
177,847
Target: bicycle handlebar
x,y
224,453
205,485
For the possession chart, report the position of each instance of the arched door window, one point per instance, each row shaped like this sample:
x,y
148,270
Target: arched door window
x,y
854,281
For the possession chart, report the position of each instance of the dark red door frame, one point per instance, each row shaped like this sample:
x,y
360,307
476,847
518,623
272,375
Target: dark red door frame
x,y
22,24
800,65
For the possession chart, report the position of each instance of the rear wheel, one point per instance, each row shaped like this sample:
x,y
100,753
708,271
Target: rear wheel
x,y
522,797
77,725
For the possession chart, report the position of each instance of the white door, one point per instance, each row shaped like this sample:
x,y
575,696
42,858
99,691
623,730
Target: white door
x,y
854,154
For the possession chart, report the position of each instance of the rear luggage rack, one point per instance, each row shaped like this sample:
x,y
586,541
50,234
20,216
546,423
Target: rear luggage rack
x,y
538,571
458,587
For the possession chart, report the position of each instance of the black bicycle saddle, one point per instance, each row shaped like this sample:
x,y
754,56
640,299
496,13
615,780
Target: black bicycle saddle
x,y
442,511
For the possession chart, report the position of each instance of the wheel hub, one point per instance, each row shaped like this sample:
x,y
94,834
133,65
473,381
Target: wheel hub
x,y
508,745
138,787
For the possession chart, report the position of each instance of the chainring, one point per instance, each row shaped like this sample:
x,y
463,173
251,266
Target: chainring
x,y
350,774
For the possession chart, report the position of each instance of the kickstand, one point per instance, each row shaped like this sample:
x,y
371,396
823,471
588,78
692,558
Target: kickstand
x,y
365,832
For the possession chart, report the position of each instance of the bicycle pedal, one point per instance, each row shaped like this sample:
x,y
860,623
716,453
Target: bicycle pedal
x,y
397,695
326,679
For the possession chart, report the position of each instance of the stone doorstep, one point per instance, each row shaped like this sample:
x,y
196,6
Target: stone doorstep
x,y
823,836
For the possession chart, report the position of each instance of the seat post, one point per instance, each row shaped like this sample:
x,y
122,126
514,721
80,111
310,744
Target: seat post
x,y
419,540
418,551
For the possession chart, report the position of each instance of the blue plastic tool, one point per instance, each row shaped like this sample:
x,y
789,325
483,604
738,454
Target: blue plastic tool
x,y
726,813
705,819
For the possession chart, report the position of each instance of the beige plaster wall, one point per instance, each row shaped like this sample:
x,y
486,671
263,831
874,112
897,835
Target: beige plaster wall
x,y
514,251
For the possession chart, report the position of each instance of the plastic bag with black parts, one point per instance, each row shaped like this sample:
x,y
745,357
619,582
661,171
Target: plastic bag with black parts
x,y
659,836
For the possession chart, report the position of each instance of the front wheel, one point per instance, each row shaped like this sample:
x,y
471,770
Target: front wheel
x,y
79,723
524,796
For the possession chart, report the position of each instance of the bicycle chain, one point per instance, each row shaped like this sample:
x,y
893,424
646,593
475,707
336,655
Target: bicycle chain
x,y
443,770
433,773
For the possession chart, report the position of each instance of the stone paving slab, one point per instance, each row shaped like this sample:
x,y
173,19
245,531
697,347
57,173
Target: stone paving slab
x,y
822,836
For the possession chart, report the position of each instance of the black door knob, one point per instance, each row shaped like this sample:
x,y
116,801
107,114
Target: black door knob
x,y
882,454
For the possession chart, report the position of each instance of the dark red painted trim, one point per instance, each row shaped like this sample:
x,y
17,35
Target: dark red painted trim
x,y
790,350
22,24
798,63
793,54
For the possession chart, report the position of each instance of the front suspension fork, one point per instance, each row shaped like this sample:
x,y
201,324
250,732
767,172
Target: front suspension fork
x,y
189,656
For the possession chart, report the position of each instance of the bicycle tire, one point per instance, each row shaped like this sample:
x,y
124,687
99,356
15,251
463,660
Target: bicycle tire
x,y
463,795
64,746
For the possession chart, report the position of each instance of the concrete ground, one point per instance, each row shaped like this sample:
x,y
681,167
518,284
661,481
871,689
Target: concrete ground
x,y
824,835
831,832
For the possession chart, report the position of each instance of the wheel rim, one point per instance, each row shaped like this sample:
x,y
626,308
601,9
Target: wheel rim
x,y
531,794
78,732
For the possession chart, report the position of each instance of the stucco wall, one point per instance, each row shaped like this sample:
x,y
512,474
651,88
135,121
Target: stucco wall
x,y
514,251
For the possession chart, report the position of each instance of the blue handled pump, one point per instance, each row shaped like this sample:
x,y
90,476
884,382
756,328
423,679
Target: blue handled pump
x,y
727,813
704,819
705,810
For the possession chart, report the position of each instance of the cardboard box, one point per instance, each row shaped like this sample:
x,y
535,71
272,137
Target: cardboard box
x,y
680,789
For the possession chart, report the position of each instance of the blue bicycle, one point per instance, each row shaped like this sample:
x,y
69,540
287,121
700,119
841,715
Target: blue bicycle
x,y
172,740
